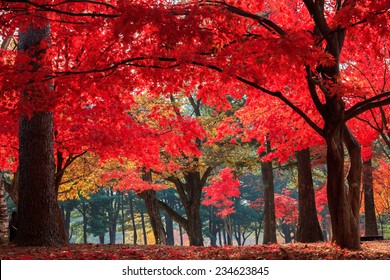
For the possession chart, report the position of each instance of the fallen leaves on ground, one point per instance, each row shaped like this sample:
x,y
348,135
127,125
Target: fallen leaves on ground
x,y
297,251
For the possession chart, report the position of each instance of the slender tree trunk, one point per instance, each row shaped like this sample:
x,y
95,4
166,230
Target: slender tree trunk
x,y
85,221
219,238
169,229
229,231
101,238
309,229
286,229
257,236
237,233
123,219
135,236
370,224
181,235
68,212
269,203
144,228
3,214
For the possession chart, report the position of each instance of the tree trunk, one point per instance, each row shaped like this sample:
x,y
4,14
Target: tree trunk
x,y
123,219
194,231
101,238
3,215
269,203
370,224
309,229
153,209
85,221
38,209
169,230
144,228
68,211
135,236
237,233
229,231
181,235
342,202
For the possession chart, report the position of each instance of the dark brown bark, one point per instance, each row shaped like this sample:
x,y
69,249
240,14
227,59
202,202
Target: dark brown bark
x,y
269,203
3,214
190,193
153,209
309,229
38,210
370,224
342,202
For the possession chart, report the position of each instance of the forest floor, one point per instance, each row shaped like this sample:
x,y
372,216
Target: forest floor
x,y
298,251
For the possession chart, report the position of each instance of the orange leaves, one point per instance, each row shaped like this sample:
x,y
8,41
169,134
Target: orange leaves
x,y
381,188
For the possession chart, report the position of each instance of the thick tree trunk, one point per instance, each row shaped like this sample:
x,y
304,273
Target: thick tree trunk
x,y
190,194
345,225
194,231
38,209
269,203
153,209
3,215
309,229
370,224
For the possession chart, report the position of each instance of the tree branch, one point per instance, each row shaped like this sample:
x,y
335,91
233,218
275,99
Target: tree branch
x,y
173,214
367,104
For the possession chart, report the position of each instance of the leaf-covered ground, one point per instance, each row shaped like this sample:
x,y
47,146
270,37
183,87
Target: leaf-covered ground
x,y
317,251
